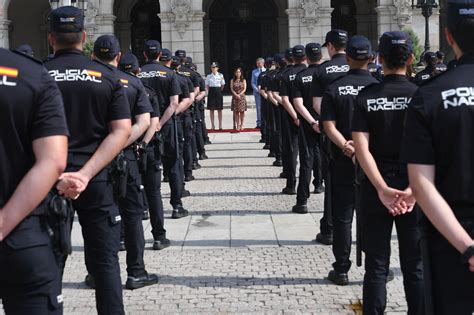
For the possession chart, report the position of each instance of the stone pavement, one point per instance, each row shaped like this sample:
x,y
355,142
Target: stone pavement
x,y
241,250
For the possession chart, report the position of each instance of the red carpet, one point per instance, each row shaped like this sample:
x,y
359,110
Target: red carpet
x,y
233,130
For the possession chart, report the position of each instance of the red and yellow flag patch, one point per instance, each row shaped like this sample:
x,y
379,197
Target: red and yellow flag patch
x,y
9,72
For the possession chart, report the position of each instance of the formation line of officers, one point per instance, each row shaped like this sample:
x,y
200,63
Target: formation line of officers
x,y
91,137
80,135
392,145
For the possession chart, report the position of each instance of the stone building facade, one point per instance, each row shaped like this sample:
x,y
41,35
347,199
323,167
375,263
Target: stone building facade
x,y
232,32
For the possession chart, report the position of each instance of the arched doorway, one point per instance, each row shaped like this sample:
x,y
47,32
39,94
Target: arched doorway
x,y
356,17
29,26
343,16
137,21
241,31
145,24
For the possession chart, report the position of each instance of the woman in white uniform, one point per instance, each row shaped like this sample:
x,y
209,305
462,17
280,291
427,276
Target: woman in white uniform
x,y
214,85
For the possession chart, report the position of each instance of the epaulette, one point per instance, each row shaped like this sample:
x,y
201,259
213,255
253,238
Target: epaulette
x,y
28,57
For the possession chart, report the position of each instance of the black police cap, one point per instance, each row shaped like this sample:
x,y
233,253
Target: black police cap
x,y
313,50
440,54
298,51
430,58
180,54
166,55
106,47
278,58
189,60
152,46
359,48
129,63
390,40
269,60
337,37
175,61
289,53
215,65
66,19
459,11
25,49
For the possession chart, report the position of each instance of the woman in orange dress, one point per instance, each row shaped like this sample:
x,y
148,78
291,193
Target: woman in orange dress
x,y
238,87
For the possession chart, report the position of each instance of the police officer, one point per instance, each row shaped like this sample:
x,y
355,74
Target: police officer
x,y
98,116
26,49
430,70
440,65
273,88
329,71
107,50
438,149
186,116
266,104
199,121
150,151
336,114
165,82
377,131
33,143
292,122
308,133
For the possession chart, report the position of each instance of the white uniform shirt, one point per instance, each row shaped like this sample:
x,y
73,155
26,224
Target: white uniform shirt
x,y
215,80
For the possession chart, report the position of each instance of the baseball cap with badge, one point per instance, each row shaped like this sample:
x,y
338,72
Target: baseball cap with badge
x,y
166,55
66,19
313,49
397,39
359,48
152,46
299,51
289,53
129,63
459,10
338,37
180,54
106,47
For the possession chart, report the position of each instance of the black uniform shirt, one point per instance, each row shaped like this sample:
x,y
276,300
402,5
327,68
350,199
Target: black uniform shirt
x,y
288,79
163,80
192,75
440,131
31,107
274,80
184,86
93,97
153,99
327,73
339,100
202,84
261,77
425,75
302,88
380,110
137,96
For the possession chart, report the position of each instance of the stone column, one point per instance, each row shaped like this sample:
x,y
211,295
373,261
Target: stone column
x,y
308,21
182,28
4,25
395,15
4,32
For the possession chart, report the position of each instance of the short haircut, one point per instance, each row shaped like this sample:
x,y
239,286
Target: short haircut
x,y
260,60
105,60
462,31
298,59
152,55
397,58
316,58
67,39
339,46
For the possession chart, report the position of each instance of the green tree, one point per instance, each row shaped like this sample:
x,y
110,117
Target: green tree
x,y
88,48
417,48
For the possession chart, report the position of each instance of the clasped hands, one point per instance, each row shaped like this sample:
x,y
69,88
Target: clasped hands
x,y
397,202
71,185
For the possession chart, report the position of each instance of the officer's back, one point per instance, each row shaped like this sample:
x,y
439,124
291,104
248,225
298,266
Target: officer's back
x,y
33,134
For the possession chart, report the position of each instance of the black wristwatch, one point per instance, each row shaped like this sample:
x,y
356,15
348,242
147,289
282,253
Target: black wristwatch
x,y
468,253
